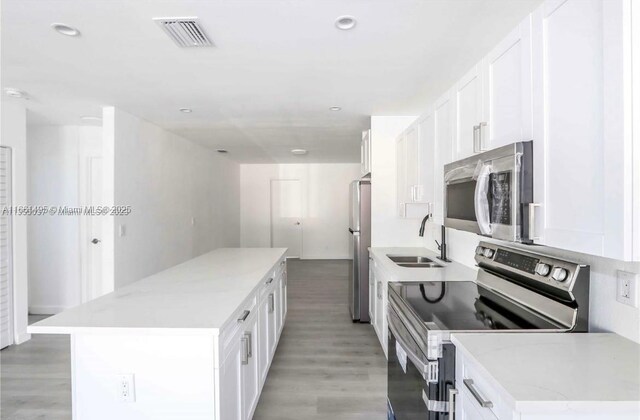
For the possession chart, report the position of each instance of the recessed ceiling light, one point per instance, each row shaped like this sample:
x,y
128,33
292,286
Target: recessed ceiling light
x,y
65,29
345,22
186,110
90,118
16,93
335,108
222,151
299,151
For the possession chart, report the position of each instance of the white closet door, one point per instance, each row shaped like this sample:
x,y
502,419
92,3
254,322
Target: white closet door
x,y
6,278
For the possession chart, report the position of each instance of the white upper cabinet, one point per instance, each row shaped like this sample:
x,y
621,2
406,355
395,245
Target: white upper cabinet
x,y
401,174
426,156
468,99
415,158
507,91
444,126
583,163
365,153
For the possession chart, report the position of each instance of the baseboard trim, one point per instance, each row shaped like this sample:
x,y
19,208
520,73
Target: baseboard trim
x,y
45,310
22,338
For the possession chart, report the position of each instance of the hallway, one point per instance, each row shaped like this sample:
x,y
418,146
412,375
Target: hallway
x,y
326,367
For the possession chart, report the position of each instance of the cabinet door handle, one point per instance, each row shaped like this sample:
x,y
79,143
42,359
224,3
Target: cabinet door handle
x,y
452,403
269,281
482,128
476,129
249,345
271,303
379,290
472,388
244,316
244,356
532,221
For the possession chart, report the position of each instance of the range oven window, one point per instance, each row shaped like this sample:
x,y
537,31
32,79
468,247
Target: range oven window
x,y
460,200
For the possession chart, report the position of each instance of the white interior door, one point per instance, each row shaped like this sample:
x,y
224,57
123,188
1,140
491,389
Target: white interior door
x,y
286,215
92,227
95,286
6,255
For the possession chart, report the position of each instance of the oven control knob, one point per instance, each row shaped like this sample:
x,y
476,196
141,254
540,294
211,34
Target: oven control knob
x,y
559,274
488,252
543,269
488,322
479,250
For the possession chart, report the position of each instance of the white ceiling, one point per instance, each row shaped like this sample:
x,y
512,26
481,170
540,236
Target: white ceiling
x,y
266,86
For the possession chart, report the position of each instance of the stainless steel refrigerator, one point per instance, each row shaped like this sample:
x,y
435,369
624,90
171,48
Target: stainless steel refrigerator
x,y
360,236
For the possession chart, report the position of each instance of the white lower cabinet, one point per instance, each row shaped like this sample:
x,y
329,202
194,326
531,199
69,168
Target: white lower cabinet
x,y
378,297
372,292
248,345
476,399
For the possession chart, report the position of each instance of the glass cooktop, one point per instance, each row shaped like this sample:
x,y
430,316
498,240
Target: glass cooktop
x,y
465,306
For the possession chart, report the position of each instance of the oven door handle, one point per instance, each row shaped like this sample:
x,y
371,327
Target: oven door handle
x,y
480,201
422,367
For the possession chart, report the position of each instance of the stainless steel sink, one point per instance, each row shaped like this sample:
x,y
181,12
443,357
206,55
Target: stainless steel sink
x,y
420,265
413,261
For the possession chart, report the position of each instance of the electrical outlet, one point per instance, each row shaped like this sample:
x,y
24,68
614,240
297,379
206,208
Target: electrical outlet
x,y
627,288
126,390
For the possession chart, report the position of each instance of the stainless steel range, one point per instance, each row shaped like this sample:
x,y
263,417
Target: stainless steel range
x,y
514,291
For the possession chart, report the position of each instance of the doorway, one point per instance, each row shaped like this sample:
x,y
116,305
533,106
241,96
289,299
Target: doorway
x,y
286,216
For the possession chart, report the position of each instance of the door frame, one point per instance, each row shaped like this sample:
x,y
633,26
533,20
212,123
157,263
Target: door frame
x,y
12,298
271,213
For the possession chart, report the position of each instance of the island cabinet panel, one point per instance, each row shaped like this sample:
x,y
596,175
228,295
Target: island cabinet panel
x,y
230,382
169,376
251,382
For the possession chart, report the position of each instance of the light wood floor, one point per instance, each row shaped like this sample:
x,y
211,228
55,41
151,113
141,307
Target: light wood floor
x,y
325,366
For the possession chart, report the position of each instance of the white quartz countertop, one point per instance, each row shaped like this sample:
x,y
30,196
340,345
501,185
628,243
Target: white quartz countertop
x,y
452,271
198,296
558,369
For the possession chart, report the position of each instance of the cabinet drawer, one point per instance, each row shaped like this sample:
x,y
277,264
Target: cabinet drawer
x,y
239,318
471,410
474,385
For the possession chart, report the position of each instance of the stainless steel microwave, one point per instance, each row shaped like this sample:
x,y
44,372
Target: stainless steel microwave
x,y
491,193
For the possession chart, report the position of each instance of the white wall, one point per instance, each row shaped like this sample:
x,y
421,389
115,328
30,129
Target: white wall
x,y
53,159
168,180
325,205
13,130
386,228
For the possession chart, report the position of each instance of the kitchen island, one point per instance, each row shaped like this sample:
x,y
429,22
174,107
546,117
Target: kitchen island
x,y
194,341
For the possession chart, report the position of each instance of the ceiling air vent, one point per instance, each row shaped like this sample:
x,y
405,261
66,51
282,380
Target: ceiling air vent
x,y
185,32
